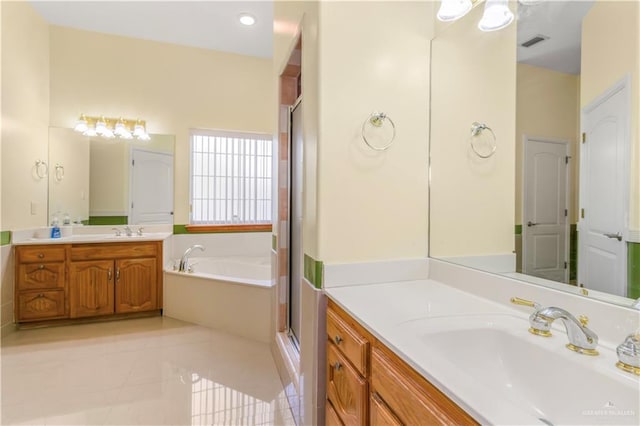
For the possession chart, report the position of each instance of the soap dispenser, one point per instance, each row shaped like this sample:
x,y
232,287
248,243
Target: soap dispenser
x,y
55,230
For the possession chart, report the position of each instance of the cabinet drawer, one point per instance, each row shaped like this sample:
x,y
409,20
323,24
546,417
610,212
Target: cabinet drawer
x,y
113,251
380,414
39,254
351,343
41,305
410,397
331,417
33,276
346,389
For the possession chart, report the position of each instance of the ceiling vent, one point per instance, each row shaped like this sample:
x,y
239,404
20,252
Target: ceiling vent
x,y
534,40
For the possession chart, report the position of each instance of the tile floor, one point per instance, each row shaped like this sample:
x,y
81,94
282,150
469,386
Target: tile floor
x,y
151,371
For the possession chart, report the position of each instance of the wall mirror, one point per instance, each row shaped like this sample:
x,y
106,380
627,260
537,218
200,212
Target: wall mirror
x,y
100,181
546,208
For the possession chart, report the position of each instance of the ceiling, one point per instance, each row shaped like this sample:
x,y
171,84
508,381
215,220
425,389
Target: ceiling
x,y
561,22
205,24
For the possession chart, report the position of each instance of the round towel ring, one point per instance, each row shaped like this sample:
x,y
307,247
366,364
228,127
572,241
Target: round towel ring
x,y
377,120
42,169
476,130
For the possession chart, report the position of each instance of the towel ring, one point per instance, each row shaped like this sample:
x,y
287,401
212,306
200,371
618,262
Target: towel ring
x,y
377,120
476,130
42,169
59,172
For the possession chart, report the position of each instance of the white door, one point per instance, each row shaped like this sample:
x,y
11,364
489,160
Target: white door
x,y
151,187
604,192
545,222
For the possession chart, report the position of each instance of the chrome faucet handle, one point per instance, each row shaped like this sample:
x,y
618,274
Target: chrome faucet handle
x,y
118,231
139,231
629,354
128,230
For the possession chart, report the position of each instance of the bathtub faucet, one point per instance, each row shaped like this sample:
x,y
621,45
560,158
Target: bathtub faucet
x,y
184,261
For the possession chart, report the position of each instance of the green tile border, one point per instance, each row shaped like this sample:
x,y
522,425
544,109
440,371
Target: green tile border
x,y
108,220
313,271
182,229
274,242
518,229
5,238
633,270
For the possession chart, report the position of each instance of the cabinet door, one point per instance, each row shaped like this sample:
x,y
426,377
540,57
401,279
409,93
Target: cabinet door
x,y
91,288
380,414
136,285
346,389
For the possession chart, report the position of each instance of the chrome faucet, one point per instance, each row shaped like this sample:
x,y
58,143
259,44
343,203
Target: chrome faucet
x,y
118,231
581,339
636,304
184,261
128,231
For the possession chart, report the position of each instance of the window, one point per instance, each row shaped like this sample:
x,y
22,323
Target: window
x,y
230,178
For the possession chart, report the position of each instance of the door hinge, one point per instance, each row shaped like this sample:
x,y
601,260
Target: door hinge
x,y
565,265
584,137
582,213
566,159
566,212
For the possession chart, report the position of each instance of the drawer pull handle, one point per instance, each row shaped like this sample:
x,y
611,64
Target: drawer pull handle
x,y
40,255
109,274
40,296
337,366
337,339
117,274
41,267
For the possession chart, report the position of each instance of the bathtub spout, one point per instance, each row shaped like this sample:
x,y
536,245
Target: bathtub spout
x,y
184,261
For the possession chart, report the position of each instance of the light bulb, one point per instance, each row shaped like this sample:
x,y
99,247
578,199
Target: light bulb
x,y
450,10
81,125
246,19
101,126
496,15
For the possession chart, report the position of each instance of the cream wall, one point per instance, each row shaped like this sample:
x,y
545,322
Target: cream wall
x,y
25,115
472,199
173,87
611,50
547,105
373,205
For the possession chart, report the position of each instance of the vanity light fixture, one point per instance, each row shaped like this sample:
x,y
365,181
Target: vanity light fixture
x,y
497,15
246,19
450,10
110,128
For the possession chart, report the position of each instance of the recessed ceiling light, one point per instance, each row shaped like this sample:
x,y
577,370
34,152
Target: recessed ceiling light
x,y
246,19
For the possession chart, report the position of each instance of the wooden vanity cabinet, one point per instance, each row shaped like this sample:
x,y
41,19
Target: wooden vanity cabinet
x,y
40,283
62,281
114,278
394,393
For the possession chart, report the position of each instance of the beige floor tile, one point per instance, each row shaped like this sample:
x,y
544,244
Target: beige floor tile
x,y
149,371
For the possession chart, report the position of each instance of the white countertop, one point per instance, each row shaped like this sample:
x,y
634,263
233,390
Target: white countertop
x,y
96,238
400,313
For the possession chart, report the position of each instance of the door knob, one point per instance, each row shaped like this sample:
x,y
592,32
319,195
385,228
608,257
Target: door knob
x,y
531,223
617,236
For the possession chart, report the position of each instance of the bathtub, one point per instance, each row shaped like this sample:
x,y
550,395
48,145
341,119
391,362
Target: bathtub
x,y
230,294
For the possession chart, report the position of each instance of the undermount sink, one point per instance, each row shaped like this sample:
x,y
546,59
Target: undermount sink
x,y
532,375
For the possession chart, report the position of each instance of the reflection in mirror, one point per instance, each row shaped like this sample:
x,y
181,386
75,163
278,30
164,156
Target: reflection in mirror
x,y
576,204
110,181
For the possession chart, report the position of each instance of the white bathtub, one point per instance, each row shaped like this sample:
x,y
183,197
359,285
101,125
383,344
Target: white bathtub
x,y
230,294
241,270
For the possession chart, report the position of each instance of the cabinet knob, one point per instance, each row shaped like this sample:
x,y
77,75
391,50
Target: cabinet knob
x,y
337,339
40,296
337,366
41,267
40,255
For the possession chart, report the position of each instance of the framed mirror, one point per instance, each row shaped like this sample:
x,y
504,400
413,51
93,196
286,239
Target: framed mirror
x,y
98,181
558,203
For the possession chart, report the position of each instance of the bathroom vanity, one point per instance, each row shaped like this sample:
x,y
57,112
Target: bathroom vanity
x,y
87,278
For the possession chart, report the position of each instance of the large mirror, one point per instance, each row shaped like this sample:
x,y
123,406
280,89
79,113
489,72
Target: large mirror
x,y
557,202
100,181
